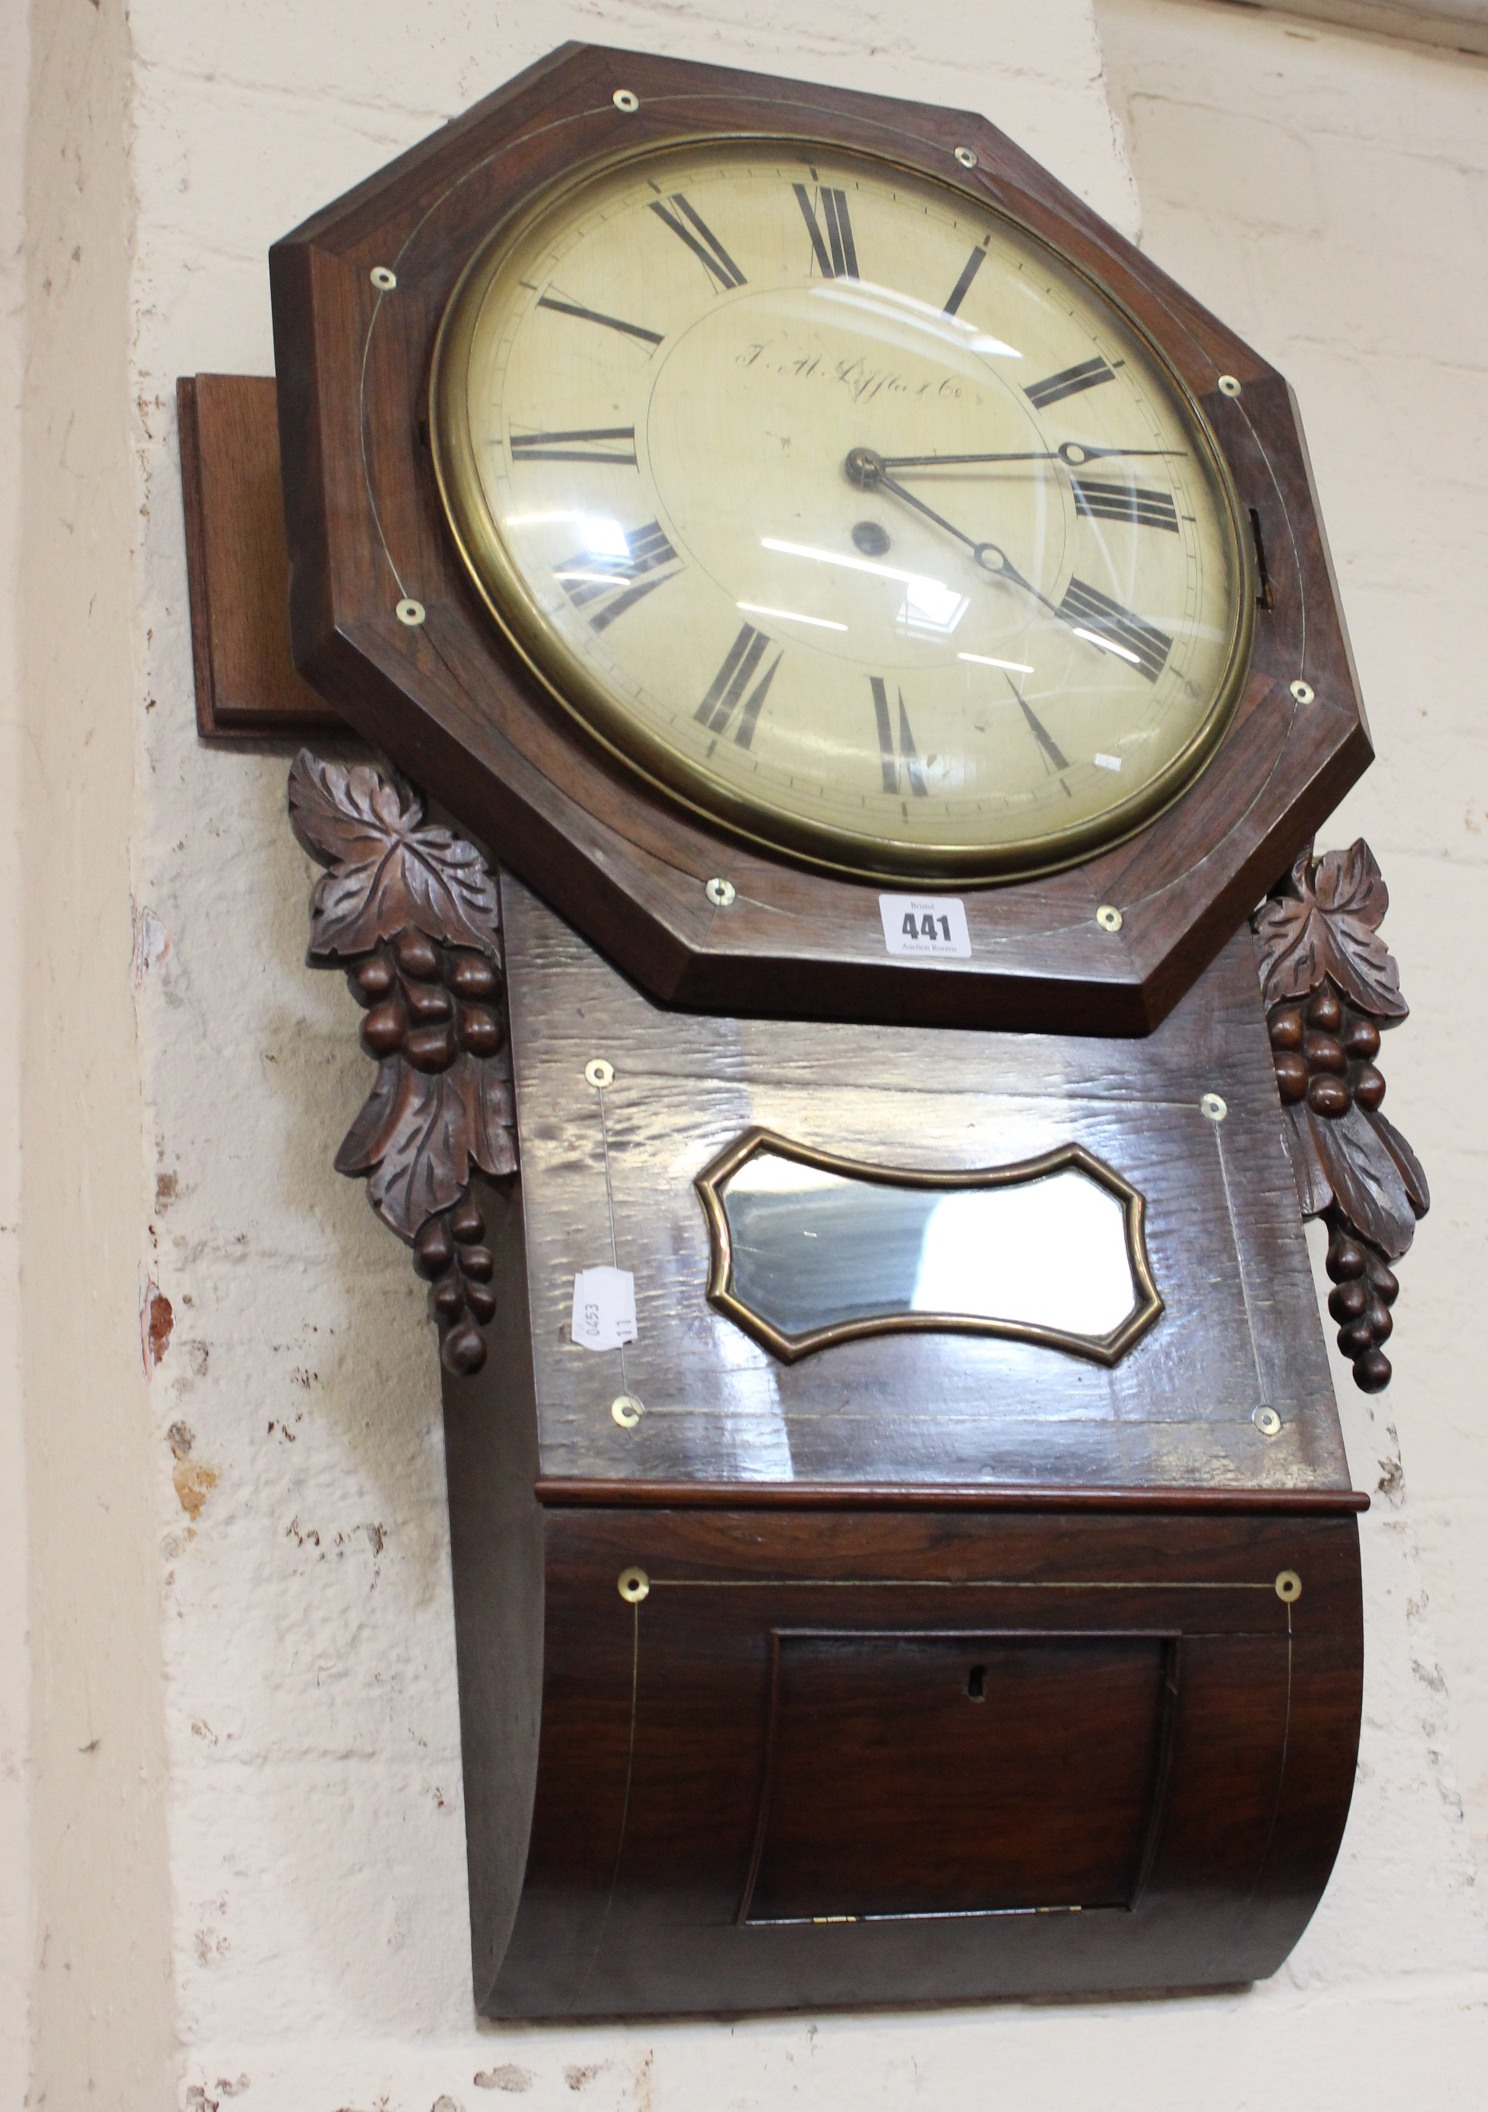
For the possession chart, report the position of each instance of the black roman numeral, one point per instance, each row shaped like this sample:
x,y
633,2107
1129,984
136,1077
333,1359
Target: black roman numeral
x,y
595,443
729,689
962,286
901,759
612,584
1070,381
1084,608
836,254
592,315
690,227
1104,501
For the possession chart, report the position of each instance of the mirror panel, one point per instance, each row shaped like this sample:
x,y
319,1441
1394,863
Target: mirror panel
x,y
810,1249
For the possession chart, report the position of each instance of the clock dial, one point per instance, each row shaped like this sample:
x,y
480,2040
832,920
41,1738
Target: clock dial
x,y
844,507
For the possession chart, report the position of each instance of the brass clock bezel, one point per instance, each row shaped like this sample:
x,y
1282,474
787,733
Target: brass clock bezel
x,y
571,683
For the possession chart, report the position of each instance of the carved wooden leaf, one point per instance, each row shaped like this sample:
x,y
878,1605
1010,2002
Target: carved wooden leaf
x,y
1350,884
418,1135
1329,927
387,871
346,812
493,1121
1407,1165
1292,941
1351,892
1364,1178
1313,1190
402,1139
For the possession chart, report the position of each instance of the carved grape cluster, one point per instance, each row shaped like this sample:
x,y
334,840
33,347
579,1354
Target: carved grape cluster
x,y
1364,1289
1331,985
427,1002
449,1252
410,911
1324,1054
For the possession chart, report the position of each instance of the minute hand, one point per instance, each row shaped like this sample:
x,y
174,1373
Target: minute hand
x,y
1073,453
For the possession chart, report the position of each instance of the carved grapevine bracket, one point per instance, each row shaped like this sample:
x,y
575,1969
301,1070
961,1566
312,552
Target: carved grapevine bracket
x,y
410,913
1331,988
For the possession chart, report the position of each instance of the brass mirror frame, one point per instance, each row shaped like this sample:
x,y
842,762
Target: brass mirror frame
x,y
1106,1349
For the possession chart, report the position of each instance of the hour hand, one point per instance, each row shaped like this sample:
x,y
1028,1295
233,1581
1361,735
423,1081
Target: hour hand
x,y
868,470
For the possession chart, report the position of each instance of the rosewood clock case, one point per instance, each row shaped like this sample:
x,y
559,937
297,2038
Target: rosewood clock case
x,y
869,1665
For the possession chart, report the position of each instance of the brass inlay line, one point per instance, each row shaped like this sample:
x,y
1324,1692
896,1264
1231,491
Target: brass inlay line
x,y
1286,1733
1255,1354
635,1682
947,1584
604,1139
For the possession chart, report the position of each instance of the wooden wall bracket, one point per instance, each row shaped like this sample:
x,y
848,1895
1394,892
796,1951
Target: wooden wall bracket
x,y
1331,987
237,564
410,913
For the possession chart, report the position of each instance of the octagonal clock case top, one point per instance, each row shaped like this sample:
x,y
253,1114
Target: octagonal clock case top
x,y
734,499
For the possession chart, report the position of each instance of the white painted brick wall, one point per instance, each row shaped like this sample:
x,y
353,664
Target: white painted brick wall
x,y
15,1943
316,1845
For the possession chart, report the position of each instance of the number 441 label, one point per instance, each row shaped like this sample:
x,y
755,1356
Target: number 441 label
x,y
925,927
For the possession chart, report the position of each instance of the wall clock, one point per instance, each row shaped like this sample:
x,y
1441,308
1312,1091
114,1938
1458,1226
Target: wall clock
x,y
874,636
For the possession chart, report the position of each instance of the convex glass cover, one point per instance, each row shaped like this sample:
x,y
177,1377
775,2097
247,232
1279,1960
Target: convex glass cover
x,y
844,507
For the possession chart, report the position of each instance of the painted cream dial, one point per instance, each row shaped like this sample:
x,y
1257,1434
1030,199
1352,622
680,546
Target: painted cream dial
x,y
697,419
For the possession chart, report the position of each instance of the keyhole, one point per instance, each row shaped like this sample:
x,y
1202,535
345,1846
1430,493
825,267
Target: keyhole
x,y
976,1683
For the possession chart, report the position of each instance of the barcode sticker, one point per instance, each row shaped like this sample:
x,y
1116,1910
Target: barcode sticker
x,y
925,927
604,1313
